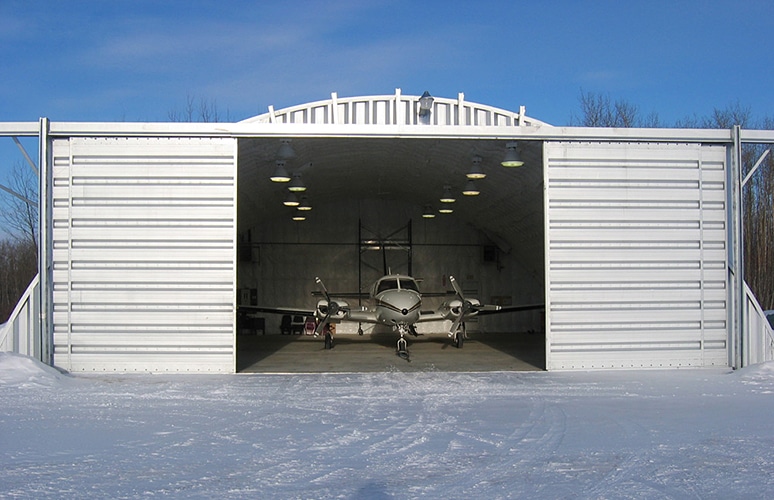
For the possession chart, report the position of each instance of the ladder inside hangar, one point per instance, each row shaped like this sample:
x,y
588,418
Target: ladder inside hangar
x,y
382,254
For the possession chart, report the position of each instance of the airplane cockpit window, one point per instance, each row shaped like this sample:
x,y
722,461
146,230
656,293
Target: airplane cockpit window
x,y
387,285
407,284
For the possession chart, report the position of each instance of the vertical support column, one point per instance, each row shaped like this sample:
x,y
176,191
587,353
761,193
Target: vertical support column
x,y
736,259
334,119
45,246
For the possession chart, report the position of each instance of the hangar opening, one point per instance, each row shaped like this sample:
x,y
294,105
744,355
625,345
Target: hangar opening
x,y
376,209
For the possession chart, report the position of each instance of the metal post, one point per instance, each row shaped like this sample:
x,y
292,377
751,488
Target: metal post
x,y
45,230
739,300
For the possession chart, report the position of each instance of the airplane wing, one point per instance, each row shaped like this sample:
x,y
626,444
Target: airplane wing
x,y
490,309
278,310
360,316
438,315
346,314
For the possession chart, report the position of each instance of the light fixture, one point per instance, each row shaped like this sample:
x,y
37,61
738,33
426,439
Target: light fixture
x,y
428,213
304,206
512,158
280,174
296,185
475,171
299,218
447,195
445,210
285,151
291,200
470,189
425,105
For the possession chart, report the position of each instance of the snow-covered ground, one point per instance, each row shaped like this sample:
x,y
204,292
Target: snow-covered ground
x,y
628,434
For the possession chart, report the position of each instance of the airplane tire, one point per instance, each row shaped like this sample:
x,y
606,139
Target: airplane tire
x,y
459,339
328,340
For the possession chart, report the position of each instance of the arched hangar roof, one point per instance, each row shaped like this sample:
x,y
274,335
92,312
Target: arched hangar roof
x,y
389,150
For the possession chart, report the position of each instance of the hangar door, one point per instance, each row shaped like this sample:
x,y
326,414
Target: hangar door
x,y
144,254
636,255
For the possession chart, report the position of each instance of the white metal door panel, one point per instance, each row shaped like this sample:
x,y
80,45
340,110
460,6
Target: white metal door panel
x,y
144,254
636,255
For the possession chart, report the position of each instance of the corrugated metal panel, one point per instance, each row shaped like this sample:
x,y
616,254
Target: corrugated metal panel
x,y
144,254
636,255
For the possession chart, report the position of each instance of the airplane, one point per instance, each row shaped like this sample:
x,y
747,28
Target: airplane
x,y
396,302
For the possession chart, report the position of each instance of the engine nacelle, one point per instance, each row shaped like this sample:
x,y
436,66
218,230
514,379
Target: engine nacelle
x,y
336,308
454,307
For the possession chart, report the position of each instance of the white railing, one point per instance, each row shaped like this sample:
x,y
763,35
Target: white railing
x,y
759,335
21,334
396,109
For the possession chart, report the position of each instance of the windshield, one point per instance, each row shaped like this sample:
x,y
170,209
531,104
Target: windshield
x,y
387,284
408,284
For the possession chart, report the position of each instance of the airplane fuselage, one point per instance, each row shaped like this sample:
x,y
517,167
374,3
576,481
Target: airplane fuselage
x,y
397,307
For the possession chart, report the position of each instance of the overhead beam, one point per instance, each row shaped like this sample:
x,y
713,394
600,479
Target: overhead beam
x,y
258,130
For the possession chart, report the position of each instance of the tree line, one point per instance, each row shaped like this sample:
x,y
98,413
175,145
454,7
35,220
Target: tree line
x,y
19,247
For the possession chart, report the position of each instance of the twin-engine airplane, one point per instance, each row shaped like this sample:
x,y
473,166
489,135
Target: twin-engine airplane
x,y
396,302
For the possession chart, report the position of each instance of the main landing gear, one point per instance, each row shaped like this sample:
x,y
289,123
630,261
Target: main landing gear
x,y
328,331
458,338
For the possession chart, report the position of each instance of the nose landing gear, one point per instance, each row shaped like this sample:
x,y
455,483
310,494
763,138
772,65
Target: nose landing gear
x,y
402,349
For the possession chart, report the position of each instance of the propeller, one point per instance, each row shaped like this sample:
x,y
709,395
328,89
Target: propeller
x,y
467,306
332,309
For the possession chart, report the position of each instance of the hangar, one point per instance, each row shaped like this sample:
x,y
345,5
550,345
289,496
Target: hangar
x,y
152,233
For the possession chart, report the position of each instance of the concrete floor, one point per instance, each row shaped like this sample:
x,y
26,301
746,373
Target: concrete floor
x,y
376,353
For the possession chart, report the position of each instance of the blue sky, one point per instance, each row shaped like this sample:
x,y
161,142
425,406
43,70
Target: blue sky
x,y
122,60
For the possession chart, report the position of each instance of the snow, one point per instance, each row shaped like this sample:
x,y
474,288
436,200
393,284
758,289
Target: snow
x,y
622,434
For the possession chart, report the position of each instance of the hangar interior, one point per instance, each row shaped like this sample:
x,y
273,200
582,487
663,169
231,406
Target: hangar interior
x,y
369,199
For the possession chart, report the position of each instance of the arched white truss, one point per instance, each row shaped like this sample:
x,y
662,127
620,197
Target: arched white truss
x,y
395,109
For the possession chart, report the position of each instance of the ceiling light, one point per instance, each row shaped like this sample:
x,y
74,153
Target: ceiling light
x,y
512,158
447,195
445,210
285,151
428,213
296,185
304,206
291,200
475,171
470,189
280,174
299,218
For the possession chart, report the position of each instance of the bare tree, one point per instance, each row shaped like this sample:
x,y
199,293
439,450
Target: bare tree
x,y
18,265
598,110
18,256
205,111
20,215
758,221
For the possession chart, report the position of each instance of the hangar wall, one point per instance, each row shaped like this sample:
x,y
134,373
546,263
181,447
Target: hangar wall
x,y
143,251
287,256
636,244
